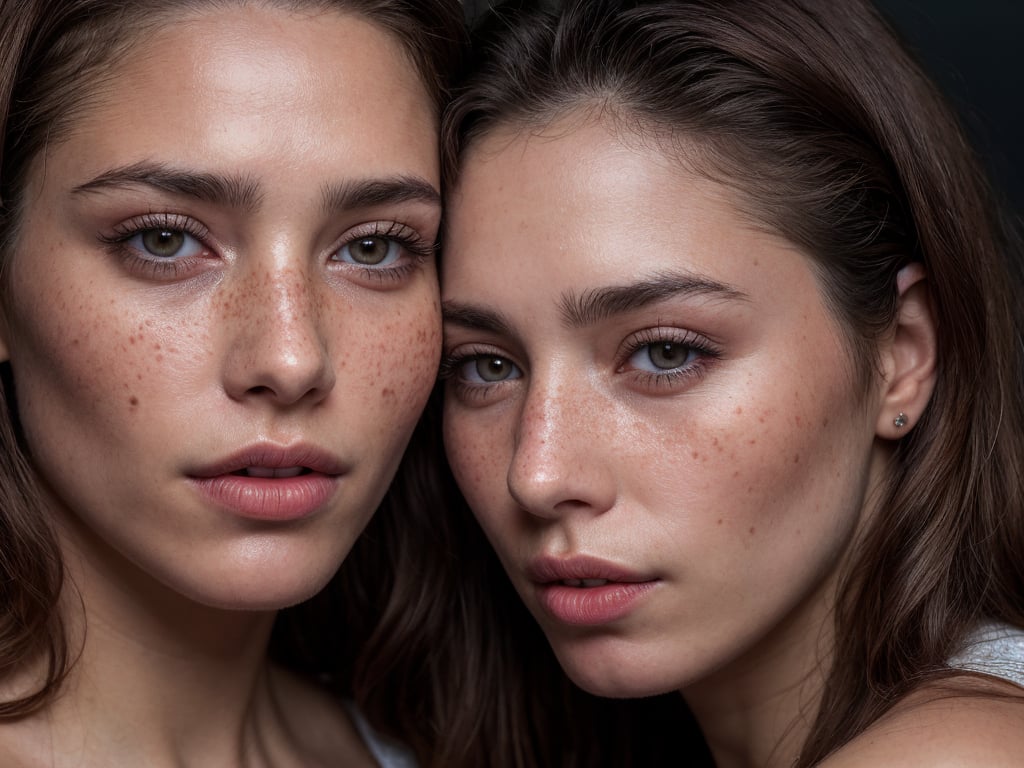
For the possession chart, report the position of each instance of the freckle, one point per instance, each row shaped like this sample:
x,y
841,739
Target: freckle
x,y
157,347
751,441
138,376
796,458
824,422
719,521
695,455
131,339
133,401
736,473
761,419
752,530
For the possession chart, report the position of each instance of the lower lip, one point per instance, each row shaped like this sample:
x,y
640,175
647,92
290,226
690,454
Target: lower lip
x,y
278,499
592,606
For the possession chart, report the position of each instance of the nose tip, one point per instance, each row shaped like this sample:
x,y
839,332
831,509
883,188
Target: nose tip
x,y
278,349
558,466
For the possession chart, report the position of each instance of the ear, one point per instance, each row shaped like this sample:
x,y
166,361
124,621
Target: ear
x,y
908,361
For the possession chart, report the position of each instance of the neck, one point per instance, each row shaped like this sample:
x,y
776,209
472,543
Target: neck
x,y
158,679
165,676
757,712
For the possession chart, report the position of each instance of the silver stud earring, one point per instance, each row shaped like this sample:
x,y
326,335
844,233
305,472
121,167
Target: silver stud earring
x,y
900,421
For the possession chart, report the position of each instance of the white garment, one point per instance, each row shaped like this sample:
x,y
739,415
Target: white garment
x,y
388,752
994,649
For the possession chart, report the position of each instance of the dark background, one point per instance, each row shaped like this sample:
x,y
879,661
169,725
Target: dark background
x,y
974,49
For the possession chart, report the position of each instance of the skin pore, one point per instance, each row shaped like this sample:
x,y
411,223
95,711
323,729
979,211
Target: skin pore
x,y
221,316
657,421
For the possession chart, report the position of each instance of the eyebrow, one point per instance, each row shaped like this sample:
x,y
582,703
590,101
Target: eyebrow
x,y
245,193
371,192
234,191
475,318
580,310
597,304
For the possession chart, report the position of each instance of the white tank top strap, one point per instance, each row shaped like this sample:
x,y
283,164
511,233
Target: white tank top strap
x,y
994,649
387,752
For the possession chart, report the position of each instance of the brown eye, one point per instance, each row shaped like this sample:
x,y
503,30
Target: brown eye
x,y
370,251
163,243
493,368
666,355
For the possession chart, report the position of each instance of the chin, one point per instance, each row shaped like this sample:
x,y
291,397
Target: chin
x,y
255,596
615,670
248,586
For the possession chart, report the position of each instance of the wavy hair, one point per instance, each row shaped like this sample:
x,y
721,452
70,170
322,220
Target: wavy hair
x,y
816,115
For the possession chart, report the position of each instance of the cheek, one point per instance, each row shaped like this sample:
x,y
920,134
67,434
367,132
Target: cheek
x,y
761,462
479,462
83,354
393,356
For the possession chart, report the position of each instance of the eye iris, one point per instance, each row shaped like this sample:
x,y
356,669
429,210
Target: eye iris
x,y
369,250
668,354
493,368
163,242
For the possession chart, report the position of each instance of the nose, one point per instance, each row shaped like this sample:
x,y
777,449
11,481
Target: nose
x,y
277,348
563,459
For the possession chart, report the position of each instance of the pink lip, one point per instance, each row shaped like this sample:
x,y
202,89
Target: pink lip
x,y
280,498
580,605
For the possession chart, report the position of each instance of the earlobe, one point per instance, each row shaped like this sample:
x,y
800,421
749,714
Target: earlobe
x,y
909,360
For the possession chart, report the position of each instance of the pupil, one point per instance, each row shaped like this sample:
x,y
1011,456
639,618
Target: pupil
x,y
492,369
370,250
668,355
163,242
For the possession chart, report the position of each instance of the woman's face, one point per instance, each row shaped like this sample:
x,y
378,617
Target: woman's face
x,y
222,310
649,407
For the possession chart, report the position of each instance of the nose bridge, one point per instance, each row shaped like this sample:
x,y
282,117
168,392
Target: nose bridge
x,y
278,345
558,462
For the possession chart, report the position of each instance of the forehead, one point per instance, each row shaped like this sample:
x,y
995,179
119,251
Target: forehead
x,y
233,82
583,190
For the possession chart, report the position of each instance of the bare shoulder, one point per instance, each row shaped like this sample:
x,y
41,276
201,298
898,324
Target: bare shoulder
x,y
962,724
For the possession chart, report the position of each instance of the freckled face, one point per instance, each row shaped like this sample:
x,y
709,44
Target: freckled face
x,y
222,309
649,408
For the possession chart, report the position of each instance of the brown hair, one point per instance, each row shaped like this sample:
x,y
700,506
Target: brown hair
x,y
56,57
832,136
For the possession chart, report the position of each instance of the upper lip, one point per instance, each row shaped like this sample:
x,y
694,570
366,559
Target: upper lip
x,y
548,569
272,456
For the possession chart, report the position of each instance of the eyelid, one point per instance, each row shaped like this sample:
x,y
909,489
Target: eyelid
x,y
452,358
666,334
149,267
157,220
408,237
669,380
415,250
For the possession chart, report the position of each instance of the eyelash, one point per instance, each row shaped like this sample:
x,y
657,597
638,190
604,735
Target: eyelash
x,y
706,353
703,348
449,372
403,236
153,268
